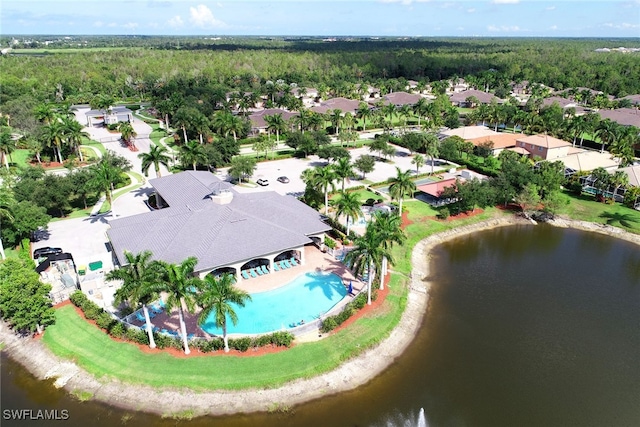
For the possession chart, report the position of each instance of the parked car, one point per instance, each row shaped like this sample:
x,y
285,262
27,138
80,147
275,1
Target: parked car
x,y
43,252
283,179
263,182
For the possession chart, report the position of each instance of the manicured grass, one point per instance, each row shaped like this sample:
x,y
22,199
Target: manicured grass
x,y
83,213
587,209
363,195
20,157
96,144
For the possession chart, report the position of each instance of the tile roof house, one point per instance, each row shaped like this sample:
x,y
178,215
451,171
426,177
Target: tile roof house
x,y
469,132
400,98
224,229
622,116
259,124
586,160
500,141
544,146
307,95
343,104
460,98
635,99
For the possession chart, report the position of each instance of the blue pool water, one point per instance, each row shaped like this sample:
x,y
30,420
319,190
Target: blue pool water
x,y
305,298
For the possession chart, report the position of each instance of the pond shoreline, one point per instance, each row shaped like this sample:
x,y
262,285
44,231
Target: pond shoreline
x,y
37,358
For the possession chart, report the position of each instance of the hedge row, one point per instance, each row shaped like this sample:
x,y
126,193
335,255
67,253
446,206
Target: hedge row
x,y
119,329
332,322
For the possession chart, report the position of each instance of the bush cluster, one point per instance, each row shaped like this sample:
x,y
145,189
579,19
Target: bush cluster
x,y
118,329
332,322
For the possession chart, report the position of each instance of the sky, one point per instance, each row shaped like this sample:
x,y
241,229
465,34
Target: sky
x,y
415,18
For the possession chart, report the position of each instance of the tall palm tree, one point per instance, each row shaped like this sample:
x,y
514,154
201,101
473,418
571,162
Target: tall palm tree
x,y
324,178
6,201
364,113
53,134
275,123
191,153
606,131
418,160
401,186
127,132
73,133
387,226
7,146
366,256
216,296
431,144
45,113
335,117
343,170
104,176
138,276
420,108
156,156
390,110
180,284
348,204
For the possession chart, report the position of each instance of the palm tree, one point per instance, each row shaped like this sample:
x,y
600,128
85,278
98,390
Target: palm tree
x,y
343,170
364,112
431,144
179,283
6,200
401,186
348,204
418,160
387,227
365,256
74,134
241,167
324,178
157,156
200,124
127,133
104,176
606,131
420,108
35,146
7,146
275,123
390,110
216,295
45,113
138,276
335,117
191,153
53,134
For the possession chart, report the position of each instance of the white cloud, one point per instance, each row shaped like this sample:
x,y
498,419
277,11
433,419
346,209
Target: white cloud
x,y
98,24
176,21
130,25
503,28
460,28
112,24
472,10
553,27
201,16
505,1
550,8
623,26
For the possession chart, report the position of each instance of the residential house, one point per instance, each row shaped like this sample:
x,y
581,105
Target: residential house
x,y
499,142
400,98
343,104
622,116
545,147
469,132
260,125
459,99
110,116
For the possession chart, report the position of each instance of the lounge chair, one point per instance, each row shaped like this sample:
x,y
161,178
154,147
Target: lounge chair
x,y
288,264
253,273
140,317
275,266
283,265
293,261
151,315
265,270
245,274
258,271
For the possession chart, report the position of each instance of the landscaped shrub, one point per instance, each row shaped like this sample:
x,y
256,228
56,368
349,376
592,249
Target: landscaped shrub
x,y
329,324
92,312
104,320
444,213
117,330
78,298
240,344
138,336
360,301
331,244
282,339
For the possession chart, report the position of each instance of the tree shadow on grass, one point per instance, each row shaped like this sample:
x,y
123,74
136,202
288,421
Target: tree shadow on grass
x,y
620,219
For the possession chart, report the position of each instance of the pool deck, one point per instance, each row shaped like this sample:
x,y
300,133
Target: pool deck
x,y
315,260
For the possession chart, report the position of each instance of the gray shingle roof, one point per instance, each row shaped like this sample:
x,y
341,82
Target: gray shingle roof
x,y
251,226
190,187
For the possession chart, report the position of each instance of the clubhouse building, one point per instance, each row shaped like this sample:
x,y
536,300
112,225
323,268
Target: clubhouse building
x,y
229,232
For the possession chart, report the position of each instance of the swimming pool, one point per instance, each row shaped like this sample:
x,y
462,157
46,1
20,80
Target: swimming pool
x,y
305,298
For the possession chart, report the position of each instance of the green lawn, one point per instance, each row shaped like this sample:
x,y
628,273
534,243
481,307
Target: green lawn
x,y
20,157
363,195
587,209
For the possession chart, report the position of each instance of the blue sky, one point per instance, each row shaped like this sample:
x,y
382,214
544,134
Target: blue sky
x,y
515,18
